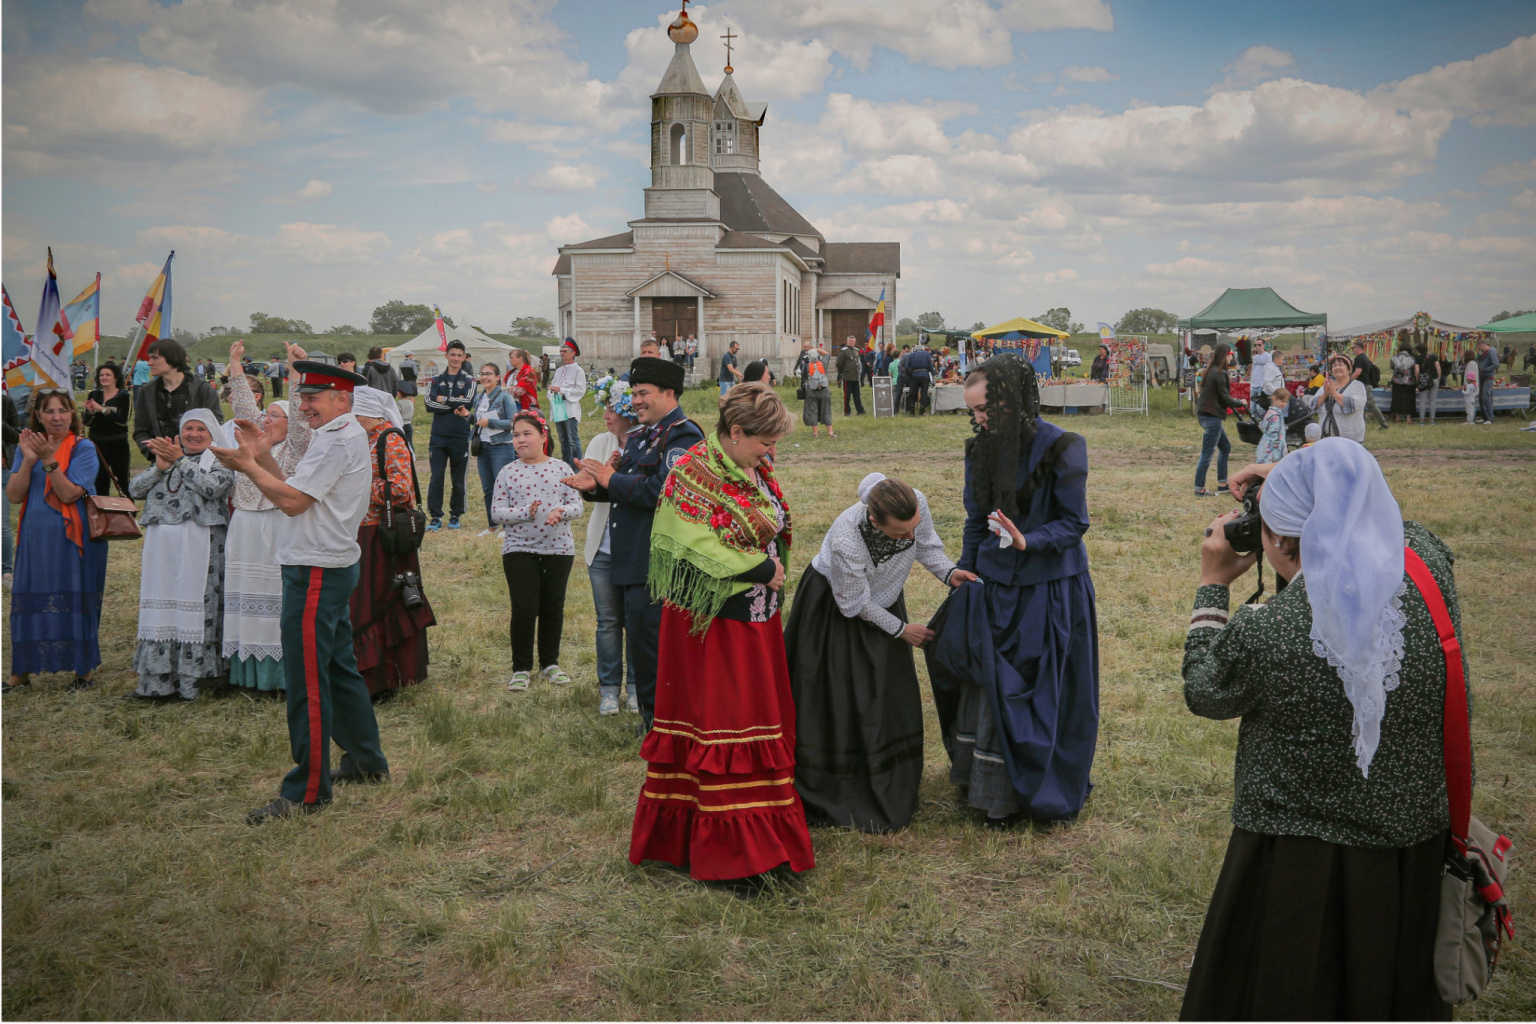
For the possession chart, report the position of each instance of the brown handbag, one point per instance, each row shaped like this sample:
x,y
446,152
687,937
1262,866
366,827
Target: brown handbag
x,y
109,518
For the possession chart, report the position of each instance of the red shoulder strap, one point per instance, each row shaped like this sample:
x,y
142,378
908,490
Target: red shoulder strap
x,y
1457,738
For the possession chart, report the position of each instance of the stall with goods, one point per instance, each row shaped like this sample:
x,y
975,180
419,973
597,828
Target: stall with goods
x,y
1251,313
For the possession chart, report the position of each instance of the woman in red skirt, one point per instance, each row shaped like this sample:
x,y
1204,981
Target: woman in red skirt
x,y
719,795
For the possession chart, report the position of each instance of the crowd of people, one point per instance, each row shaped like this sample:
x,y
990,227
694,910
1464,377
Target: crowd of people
x,y
280,554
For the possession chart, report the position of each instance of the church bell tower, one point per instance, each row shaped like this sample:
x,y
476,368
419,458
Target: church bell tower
x,y
682,177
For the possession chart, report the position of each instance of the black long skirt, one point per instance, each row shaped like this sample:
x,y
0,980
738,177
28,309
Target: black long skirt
x,y
859,737
1303,929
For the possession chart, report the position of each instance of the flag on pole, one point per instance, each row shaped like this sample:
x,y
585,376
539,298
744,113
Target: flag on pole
x,y
1106,332
877,321
154,313
50,352
81,319
15,346
441,334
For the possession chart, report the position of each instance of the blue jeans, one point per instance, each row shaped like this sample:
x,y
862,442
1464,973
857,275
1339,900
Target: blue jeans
x,y
1215,438
7,549
725,386
569,432
608,602
1485,398
490,462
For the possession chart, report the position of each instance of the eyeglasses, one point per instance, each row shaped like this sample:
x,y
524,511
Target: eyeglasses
x,y
54,391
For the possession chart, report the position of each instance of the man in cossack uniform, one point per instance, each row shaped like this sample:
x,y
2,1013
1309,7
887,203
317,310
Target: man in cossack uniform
x,y
632,483
325,500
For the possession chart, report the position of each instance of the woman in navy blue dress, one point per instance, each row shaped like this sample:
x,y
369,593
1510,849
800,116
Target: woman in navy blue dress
x,y
1015,663
60,571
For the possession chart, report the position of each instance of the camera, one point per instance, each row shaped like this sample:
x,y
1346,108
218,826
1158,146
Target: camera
x,y
409,585
1245,533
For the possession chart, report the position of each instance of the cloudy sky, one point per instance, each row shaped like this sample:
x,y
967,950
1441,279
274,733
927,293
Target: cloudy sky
x,y
314,158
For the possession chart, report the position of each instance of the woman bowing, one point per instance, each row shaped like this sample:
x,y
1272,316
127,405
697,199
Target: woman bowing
x,y
859,741
719,795
1015,665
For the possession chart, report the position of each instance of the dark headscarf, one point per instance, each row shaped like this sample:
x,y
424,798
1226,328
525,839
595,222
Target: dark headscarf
x,y
1013,406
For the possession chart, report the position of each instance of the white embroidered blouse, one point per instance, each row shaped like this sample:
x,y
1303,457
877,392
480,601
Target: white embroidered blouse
x,y
287,454
867,569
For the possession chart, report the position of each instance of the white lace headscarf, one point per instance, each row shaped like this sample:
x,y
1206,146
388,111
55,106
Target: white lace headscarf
x,y
1333,496
206,459
377,404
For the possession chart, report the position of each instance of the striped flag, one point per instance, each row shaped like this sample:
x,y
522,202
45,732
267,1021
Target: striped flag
x,y
50,352
877,321
442,334
81,319
154,312
15,346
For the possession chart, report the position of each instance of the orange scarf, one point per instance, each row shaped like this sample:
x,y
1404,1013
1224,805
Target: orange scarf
x,y
74,527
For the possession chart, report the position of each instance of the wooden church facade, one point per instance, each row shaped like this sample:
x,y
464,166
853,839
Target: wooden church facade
x,y
718,253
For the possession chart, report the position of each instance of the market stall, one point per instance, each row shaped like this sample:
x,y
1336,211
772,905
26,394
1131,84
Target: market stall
x,y
1023,337
1259,311
1448,341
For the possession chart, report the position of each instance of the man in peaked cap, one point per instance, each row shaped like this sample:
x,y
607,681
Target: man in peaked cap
x,y
633,485
324,500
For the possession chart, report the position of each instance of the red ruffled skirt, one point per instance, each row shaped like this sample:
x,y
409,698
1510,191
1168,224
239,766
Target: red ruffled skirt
x,y
719,795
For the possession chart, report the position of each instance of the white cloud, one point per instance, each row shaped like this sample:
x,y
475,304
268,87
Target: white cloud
x,y
1049,15
315,189
1254,65
486,187
567,229
567,177
130,110
1510,173
298,241
1524,201
1082,74
1494,88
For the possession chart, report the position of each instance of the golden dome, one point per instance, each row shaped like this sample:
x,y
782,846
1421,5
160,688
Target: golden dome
x,y
683,30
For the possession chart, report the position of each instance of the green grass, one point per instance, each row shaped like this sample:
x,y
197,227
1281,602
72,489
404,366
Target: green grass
x,y
132,888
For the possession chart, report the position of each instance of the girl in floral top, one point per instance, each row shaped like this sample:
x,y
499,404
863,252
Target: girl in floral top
x,y
536,509
1272,444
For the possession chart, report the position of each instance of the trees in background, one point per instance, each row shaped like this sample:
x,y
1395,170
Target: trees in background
x,y
398,317
345,329
1148,320
1059,318
1507,315
531,327
261,323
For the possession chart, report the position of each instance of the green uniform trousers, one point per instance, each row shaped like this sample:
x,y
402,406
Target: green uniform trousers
x,y
327,697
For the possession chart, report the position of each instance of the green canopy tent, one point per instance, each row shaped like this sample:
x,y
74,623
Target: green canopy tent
x,y
1514,325
1253,309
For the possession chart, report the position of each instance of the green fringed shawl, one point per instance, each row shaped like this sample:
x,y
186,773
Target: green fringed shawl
x,y
712,525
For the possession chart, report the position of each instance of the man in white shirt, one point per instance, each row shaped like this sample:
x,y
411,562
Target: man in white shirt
x,y
325,500
570,383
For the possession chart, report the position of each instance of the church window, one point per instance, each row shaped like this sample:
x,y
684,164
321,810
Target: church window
x,y
679,147
725,137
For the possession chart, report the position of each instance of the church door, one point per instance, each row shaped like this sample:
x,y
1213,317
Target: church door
x,y
843,322
674,318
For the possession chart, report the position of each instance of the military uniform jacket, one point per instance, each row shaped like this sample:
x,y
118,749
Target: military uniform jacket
x,y
635,489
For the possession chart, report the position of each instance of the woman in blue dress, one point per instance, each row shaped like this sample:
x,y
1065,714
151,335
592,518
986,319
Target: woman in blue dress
x,y
1015,660
60,572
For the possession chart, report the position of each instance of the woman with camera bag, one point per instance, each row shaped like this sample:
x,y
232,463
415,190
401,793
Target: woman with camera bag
x,y
1328,900
390,612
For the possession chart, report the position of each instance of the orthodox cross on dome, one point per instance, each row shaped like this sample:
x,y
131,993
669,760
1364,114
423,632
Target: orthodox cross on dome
x,y
729,35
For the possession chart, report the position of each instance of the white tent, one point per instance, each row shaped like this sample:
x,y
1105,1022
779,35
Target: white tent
x,y
424,349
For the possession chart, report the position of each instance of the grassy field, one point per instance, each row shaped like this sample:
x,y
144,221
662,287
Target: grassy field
x,y
489,878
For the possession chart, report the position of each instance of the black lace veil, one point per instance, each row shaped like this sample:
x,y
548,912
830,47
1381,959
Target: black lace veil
x,y
1013,406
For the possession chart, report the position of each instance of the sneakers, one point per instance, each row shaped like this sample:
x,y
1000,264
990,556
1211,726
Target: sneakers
x,y
282,807
486,533
435,524
555,674
453,523
609,705
633,707
520,681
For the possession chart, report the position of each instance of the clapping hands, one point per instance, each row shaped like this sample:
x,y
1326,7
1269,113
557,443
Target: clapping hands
x,y
166,450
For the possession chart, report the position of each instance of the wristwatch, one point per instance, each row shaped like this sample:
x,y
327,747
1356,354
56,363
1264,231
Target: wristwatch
x,y
51,466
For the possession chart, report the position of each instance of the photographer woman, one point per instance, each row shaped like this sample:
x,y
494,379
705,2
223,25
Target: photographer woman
x,y
388,637
1327,903
1211,412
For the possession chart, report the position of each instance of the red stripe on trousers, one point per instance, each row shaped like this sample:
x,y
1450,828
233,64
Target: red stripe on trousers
x,y
312,683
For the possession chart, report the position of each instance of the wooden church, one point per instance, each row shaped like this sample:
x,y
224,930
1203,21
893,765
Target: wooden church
x,y
718,253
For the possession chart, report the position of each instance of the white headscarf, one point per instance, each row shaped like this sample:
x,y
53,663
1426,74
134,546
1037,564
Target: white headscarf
x,y
209,420
868,484
374,403
1333,496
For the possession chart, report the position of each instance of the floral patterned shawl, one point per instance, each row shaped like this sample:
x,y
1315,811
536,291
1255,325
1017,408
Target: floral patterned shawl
x,y
713,523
